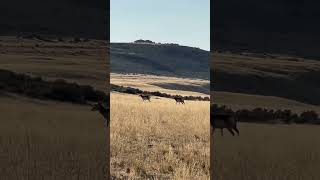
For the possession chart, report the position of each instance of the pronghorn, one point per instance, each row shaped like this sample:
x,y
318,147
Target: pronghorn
x,y
179,100
224,121
104,111
145,97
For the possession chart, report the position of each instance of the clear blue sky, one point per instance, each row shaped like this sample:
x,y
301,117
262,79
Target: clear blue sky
x,y
186,22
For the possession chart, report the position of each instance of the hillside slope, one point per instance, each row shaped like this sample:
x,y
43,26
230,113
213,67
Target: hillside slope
x,y
164,59
292,78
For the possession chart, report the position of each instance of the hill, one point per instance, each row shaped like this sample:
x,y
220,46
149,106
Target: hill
x,y
269,75
159,59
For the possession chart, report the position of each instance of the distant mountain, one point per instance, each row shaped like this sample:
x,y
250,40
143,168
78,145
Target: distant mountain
x,y
160,59
83,18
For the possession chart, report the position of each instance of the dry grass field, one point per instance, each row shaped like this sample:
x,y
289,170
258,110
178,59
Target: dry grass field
x,y
46,139
159,139
50,140
164,84
267,152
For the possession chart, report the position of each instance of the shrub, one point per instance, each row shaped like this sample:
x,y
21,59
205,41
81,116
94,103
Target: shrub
x,y
131,90
268,116
308,116
36,87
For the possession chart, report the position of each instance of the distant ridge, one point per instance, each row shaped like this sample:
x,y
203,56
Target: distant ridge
x,y
159,59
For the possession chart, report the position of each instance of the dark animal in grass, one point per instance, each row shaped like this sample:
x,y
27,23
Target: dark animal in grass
x,y
179,100
222,121
145,97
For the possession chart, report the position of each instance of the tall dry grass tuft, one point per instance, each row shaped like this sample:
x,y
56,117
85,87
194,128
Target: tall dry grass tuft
x,y
159,139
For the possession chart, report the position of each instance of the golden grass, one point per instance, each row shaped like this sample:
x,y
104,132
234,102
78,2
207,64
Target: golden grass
x,y
159,139
267,152
153,83
50,140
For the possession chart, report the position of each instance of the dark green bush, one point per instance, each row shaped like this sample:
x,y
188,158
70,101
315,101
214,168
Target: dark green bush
x,y
267,115
36,87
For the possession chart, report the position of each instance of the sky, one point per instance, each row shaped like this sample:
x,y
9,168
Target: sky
x,y
185,22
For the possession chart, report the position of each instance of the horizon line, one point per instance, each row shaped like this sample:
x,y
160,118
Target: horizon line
x,y
160,43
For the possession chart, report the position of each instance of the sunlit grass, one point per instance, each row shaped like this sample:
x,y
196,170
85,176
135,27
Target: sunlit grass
x,y
159,139
267,152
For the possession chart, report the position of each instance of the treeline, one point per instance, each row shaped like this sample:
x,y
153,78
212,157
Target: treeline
x,y
130,90
262,115
59,89
51,38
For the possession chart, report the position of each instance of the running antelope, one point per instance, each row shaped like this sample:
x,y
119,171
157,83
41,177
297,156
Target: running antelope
x,y
224,121
145,97
179,100
103,110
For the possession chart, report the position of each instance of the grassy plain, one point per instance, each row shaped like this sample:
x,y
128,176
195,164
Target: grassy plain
x,y
46,139
159,139
262,151
267,152
50,140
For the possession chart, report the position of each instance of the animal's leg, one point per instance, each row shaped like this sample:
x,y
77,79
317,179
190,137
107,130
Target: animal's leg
x,y
221,132
237,130
231,131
